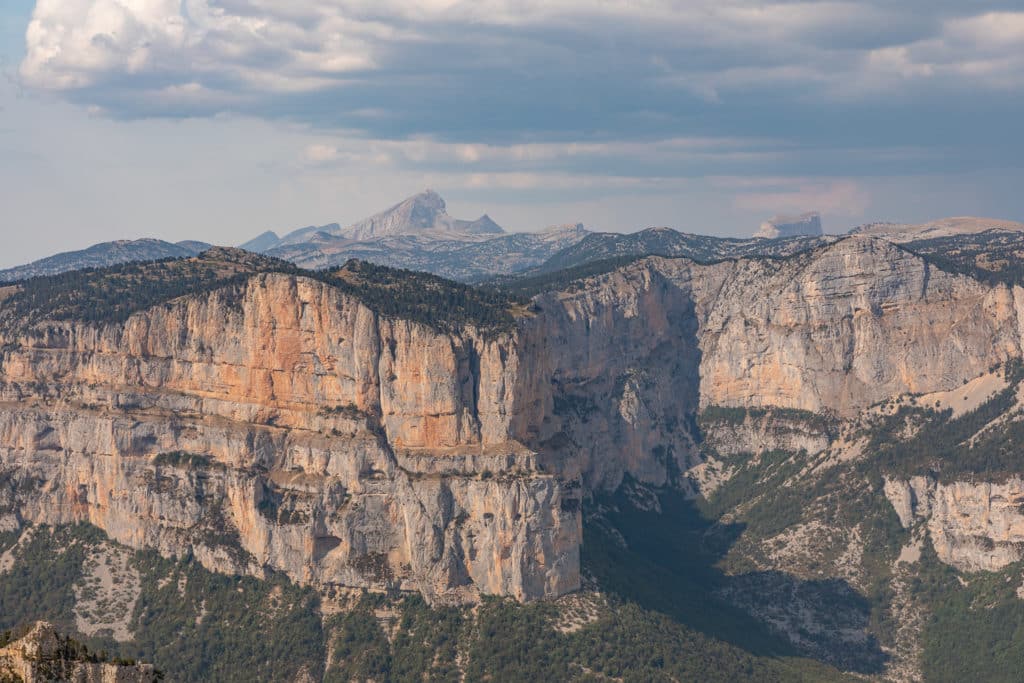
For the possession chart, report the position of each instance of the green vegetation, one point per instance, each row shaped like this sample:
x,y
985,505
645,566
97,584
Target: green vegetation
x,y
184,460
424,644
202,626
765,472
40,584
625,639
973,629
349,411
190,623
669,572
993,257
819,422
423,298
195,625
950,448
567,279
976,632
111,295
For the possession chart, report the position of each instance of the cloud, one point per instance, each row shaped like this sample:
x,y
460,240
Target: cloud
x,y
680,156
653,90
296,59
837,198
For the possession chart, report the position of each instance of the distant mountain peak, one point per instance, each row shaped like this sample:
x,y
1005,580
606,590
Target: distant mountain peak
x,y
484,225
804,225
943,227
419,213
267,240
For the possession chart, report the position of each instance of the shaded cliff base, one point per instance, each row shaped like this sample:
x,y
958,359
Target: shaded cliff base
x,y
801,563
195,625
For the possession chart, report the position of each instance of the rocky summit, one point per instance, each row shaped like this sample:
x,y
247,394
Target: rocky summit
x,y
806,225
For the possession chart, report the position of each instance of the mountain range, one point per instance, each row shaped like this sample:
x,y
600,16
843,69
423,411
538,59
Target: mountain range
x,y
104,254
419,234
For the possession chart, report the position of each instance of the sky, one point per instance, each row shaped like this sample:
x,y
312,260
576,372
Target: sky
x,y
219,119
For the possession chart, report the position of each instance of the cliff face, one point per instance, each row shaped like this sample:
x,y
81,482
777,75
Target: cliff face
x,y
289,427
973,526
334,445
634,354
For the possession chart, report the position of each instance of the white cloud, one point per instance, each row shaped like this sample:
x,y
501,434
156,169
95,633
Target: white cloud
x,y
550,96
78,43
256,49
979,51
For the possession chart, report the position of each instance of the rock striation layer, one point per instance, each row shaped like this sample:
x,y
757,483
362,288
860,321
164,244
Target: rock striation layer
x,y
634,354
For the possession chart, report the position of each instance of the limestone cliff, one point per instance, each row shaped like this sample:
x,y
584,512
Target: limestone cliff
x,y
973,526
635,353
284,424
292,429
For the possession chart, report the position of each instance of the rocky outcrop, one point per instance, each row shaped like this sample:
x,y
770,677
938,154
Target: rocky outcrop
x,y
425,211
973,526
807,224
42,655
767,430
946,227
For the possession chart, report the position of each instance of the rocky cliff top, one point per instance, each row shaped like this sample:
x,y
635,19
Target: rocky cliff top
x,y
668,242
113,294
944,227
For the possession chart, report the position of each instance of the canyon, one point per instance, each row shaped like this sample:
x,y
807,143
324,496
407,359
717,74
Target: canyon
x,y
297,430
364,431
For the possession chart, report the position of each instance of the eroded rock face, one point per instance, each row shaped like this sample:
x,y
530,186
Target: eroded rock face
x,y
973,526
331,444
633,354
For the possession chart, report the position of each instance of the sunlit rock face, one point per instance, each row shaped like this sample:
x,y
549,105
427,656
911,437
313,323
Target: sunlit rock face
x,y
973,526
634,354
333,445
